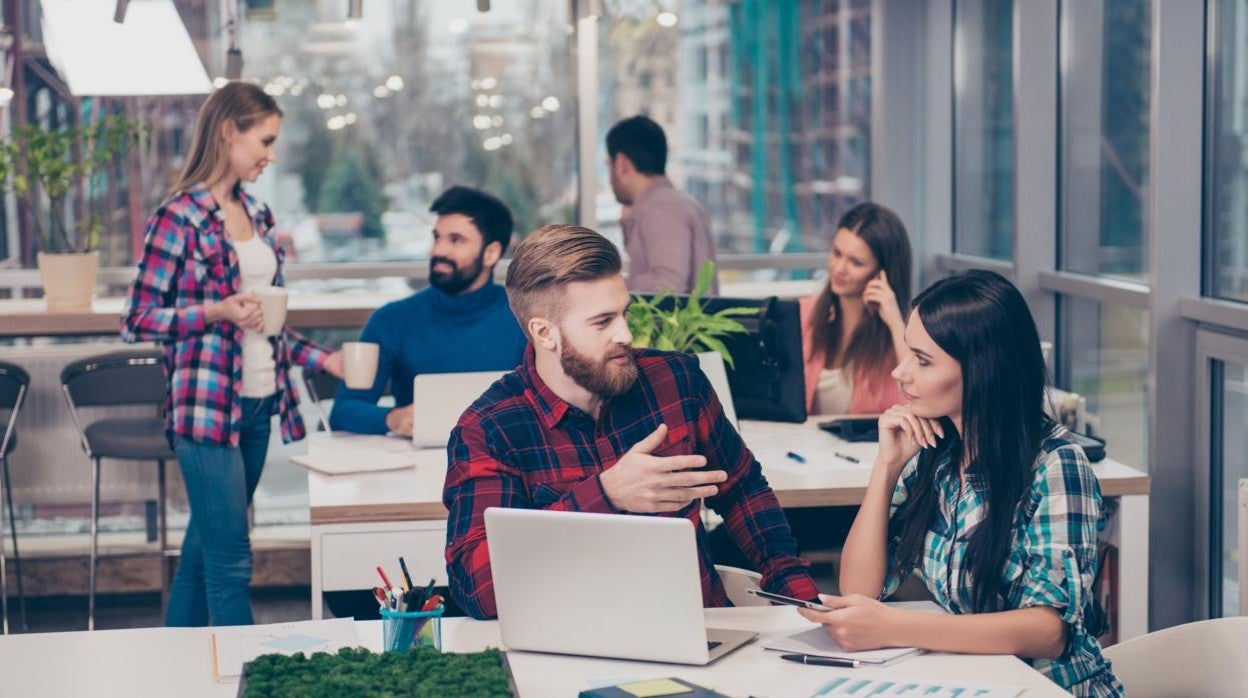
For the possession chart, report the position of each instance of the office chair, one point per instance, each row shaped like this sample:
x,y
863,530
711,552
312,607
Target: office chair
x,y
14,382
135,377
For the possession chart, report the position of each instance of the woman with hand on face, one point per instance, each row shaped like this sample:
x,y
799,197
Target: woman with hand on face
x,y
977,490
852,330
208,249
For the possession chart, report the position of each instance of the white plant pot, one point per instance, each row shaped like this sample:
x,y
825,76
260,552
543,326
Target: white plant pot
x,y
68,279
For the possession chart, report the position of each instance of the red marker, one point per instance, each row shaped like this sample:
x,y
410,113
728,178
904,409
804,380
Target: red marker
x,y
433,602
384,578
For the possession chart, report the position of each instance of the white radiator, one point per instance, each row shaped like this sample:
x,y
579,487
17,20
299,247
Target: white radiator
x,y
49,465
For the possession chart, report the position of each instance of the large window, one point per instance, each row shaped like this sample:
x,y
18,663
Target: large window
x,y
766,106
1226,161
983,102
1105,96
1103,356
1230,396
385,112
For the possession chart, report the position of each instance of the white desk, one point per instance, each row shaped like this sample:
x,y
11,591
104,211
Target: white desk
x,y
176,661
361,520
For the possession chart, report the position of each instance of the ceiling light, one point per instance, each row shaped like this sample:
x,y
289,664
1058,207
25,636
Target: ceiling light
x,y
666,19
551,103
394,83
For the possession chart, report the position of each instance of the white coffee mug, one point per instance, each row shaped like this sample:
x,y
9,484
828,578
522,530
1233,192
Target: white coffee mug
x,y
273,309
359,364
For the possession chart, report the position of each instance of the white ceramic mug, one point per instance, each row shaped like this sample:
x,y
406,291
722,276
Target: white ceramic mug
x,y
273,309
359,364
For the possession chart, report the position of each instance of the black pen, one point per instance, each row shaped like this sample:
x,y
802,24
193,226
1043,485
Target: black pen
x,y
820,661
851,459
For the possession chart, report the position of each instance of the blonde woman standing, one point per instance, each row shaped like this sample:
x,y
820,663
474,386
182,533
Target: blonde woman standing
x,y
208,248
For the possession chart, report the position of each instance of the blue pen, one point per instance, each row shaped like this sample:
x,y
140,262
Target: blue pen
x,y
796,456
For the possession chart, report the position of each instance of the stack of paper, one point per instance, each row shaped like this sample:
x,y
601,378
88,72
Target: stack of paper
x,y
232,647
341,454
816,642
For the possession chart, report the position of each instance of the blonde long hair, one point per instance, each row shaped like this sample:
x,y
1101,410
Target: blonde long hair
x,y
242,103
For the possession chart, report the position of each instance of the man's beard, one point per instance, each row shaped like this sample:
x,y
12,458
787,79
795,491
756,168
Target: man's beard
x,y
454,282
600,377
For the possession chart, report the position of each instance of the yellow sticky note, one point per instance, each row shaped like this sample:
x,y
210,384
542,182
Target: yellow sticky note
x,y
656,687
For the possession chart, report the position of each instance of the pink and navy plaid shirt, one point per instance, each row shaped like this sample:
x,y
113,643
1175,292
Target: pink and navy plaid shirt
x,y
188,262
520,445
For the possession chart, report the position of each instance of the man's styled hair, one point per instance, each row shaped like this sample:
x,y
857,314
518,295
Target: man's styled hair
x,y
642,140
491,216
550,259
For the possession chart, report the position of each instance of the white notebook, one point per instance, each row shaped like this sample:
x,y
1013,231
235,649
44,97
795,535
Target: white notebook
x,y
818,643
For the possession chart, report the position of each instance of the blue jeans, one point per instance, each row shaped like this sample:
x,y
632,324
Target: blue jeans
x,y
213,582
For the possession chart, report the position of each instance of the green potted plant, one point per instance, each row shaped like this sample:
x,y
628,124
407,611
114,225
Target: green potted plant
x,y
665,323
51,164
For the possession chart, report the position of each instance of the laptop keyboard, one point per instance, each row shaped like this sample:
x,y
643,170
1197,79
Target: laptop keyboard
x,y
712,645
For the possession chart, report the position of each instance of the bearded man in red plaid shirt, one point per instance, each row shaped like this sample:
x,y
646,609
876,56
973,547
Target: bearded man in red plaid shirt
x,y
587,423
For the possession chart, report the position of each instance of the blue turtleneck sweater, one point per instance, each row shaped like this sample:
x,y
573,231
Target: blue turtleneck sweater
x,y
430,332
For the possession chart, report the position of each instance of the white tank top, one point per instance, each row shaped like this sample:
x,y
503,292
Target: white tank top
x,y
836,390
257,266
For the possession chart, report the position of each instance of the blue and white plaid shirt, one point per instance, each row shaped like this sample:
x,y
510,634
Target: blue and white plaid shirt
x,y
1052,561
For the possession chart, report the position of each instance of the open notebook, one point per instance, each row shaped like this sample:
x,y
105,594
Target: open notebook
x,y
817,642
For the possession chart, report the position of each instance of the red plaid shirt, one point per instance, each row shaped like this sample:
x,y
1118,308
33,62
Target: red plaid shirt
x,y
187,262
520,445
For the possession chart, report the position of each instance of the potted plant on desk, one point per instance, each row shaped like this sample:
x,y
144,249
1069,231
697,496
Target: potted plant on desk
x,y
663,322
48,165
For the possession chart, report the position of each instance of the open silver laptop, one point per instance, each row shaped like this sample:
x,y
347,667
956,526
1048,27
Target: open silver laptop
x,y
438,400
602,585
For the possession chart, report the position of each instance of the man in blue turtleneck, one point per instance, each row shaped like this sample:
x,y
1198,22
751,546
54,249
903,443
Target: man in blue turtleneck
x,y
460,323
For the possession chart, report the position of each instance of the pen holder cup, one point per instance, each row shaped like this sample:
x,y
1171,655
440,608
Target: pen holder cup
x,y
400,631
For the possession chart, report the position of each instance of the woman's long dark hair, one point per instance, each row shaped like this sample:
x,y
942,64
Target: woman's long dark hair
x,y
981,320
871,345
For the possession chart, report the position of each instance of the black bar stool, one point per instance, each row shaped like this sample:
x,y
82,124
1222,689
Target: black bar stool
x,y
135,377
14,382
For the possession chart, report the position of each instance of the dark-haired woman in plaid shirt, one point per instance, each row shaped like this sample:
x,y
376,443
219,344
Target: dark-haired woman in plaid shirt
x,y
977,490
207,249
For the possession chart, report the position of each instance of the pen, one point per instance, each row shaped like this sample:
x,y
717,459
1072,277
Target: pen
x,y
406,577
796,456
820,661
849,458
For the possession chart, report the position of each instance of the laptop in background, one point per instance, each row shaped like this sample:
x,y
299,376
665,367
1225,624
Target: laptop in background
x,y
601,585
438,400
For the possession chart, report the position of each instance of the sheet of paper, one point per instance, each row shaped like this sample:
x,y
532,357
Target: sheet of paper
x,y
232,647
773,442
816,641
363,461
342,454
847,683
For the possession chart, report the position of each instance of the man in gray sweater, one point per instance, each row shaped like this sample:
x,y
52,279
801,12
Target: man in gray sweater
x,y
667,233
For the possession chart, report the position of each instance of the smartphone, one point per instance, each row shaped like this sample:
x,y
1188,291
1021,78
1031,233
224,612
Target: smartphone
x,y
787,600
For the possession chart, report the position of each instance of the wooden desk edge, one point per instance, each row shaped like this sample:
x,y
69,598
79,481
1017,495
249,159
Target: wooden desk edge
x,y
106,323
377,513
852,496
